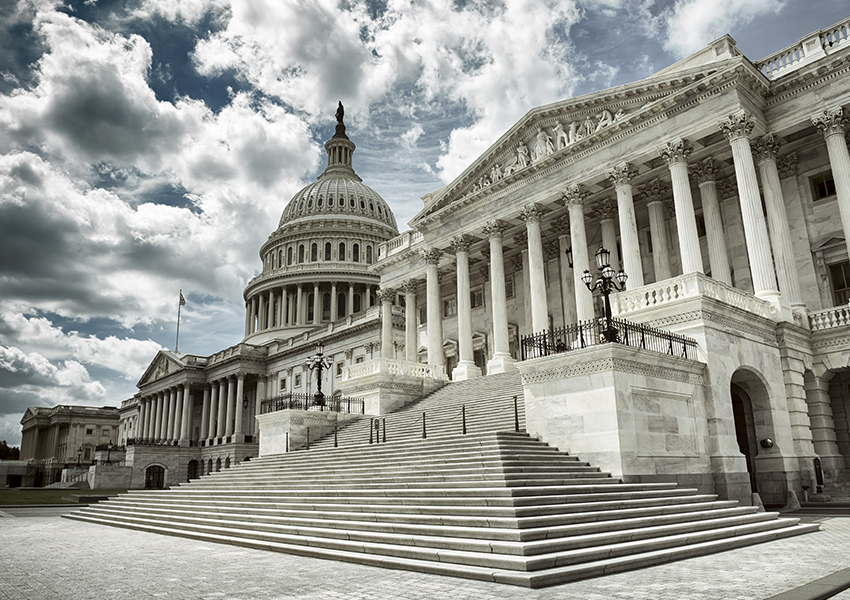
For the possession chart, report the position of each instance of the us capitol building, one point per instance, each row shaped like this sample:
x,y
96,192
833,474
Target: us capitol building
x,y
721,188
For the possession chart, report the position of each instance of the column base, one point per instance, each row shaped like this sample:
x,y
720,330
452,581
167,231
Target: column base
x,y
238,438
781,308
465,369
502,362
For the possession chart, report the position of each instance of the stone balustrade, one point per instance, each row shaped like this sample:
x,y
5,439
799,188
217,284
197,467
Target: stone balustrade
x,y
687,286
806,50
399,243
392,366
830,318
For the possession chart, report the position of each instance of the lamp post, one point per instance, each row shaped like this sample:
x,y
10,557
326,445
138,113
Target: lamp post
x,y
607,282
79,454
109,447
318,362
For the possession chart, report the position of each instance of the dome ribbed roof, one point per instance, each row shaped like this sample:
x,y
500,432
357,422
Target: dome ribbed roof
x,y
338,192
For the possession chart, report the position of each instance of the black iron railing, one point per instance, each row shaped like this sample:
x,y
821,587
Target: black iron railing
x,y
597,332
310,402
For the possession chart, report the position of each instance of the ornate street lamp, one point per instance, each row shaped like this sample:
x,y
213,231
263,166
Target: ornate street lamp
x,y
318,362
79,454
607,282
109,447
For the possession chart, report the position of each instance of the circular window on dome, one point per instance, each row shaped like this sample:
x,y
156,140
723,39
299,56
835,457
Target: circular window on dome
x,y
319,201
351,202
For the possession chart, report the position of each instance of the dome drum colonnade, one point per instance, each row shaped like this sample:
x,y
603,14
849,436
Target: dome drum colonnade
x,y
769,251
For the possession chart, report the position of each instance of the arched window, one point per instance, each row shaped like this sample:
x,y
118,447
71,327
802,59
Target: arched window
x,y
314,252
319,202
355,253
342,251
310,307
356,302
368,255
326,307
289,255
327,250
330,200
340,305
301,253
351,202
280,258
372,206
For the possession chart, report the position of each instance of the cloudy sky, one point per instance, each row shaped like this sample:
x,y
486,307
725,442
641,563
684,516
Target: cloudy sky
x,y
151,145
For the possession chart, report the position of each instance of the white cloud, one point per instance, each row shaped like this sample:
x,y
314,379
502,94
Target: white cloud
x,y
691,24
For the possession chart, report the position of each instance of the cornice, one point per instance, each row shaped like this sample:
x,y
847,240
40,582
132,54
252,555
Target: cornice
x,y
808,78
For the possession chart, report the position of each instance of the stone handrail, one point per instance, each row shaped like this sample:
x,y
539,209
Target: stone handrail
x,y
391,366
399,243
814,46
830,318
687,286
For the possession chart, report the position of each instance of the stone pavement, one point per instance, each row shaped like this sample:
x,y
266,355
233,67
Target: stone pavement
x,y
50,558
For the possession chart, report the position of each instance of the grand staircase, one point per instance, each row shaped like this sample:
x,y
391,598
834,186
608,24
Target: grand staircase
x,y
493,504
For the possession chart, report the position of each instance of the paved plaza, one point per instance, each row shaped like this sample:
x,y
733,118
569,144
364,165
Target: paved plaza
x,y
50,558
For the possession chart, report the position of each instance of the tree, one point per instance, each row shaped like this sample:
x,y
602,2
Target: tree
x,y
9,452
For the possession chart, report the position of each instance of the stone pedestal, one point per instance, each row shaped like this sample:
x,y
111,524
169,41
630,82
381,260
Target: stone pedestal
x,y
287,430
387,384
109,477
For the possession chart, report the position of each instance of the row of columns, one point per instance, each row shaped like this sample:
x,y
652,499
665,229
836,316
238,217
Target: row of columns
x,y
287,305
166,415
765,250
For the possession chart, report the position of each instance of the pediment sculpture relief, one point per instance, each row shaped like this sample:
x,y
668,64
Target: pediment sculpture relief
x,y
161,368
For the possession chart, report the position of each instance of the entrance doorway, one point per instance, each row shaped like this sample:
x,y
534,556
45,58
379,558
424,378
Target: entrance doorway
x,y
154,477
745,431
193,469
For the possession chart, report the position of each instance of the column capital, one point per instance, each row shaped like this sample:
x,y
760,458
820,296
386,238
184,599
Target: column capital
x,y
830,121
409,286
765,148
727,187
432,256
676,151
705,171
655,191
575,195
521,240
622,174
787,165
739,125
605,209
516,261
562,224
531,212
349,352
240,375
495,228
386,295
461,243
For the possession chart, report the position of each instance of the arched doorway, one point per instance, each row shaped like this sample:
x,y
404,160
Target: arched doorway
x,y
745,432
210,466
154,477
227,463
217,465
193,469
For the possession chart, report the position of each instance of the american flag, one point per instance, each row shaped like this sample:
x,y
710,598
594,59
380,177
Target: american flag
x,y
182,300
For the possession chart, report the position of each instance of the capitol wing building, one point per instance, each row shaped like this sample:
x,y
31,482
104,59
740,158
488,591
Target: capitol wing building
x,y
720,188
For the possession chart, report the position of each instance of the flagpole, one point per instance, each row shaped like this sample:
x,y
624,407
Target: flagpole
x,y
179,305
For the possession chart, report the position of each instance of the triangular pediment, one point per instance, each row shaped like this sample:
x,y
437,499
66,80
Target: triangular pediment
x,y
163,364
830,242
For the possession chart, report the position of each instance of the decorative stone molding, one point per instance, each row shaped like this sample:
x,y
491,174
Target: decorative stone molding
x,y
461,243
726,188
521,240
622,174
656,191
736,126
486,253
765,148
409,286
386,294
495,228
552,250
787,165
830,121
349,352
432,256
605,209
531,212
676,151
575,195
516,261
613,364
561,224
705,171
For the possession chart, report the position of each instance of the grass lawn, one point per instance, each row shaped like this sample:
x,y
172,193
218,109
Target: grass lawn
x,y
17,497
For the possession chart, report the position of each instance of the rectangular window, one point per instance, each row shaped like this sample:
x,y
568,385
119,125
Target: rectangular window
x,y
509,286
105,433
358,360
450,307
423,316
823,186
839,275
298,381
89,431
283,384
477,297
339,366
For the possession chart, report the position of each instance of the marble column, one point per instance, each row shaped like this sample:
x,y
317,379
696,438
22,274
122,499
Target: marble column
x,y
737,129
211,427
317,305
240,394
168,416
281,308
676,154
568,293
223,384
466,368
143,409
706,174
654,194
350,301
832,124
334,302
575,197
386,295
231,407
261,312
247,318
270,310
501,361
188,410
178,412
410,328
765,150
436,355
205,414
532,214
299,305
606,211
622,176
